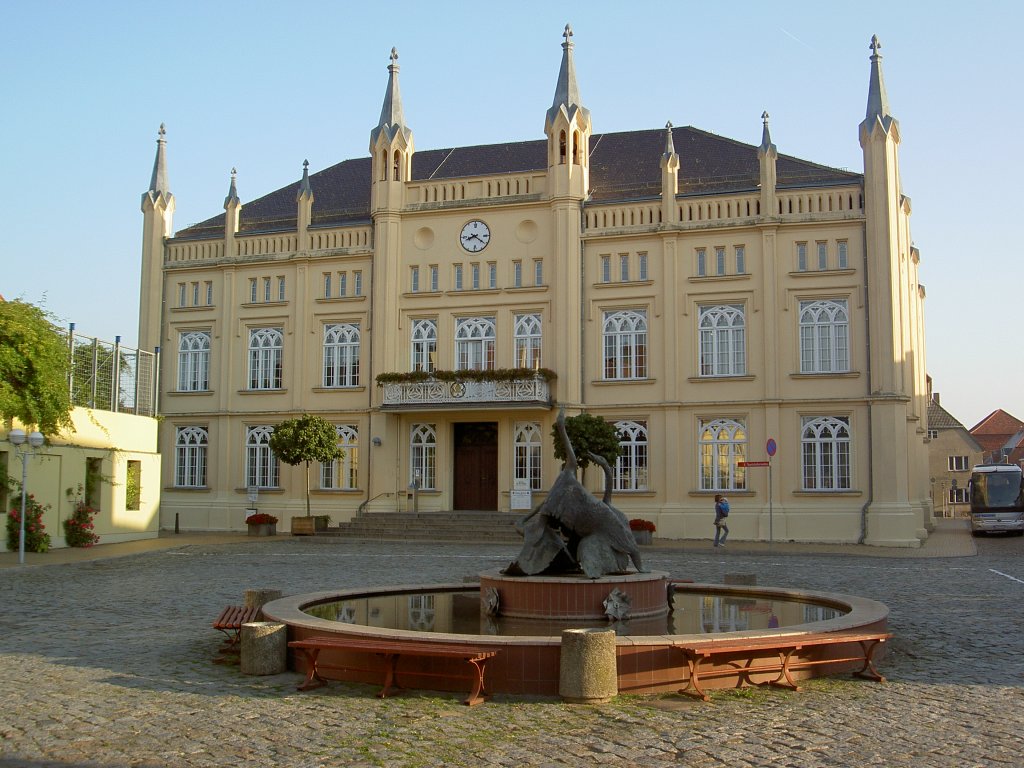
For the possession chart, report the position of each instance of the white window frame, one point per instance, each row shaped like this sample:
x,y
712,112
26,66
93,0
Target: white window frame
x,y
527,341
194,361
475,343
424,345
702,262
624,267
517,274
538,271
341,355
801,257
824,336
624,342
526,454
721,446
266,353
414,279
740,253
958,463
357,278
822,247
631,465
191,446
826,445
843,254
606,268
434,278
343,474
642,266
423,455
720,260
262,469
722,340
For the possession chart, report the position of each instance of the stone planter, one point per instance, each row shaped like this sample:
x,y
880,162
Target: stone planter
x,y
263,529
303,526
643,537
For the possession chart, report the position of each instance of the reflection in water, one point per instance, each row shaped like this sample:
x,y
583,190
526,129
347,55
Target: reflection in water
x,y
459,613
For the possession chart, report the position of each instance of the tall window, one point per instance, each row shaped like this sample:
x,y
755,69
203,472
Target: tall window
x,y
527,341
182,301
492,275
631,464
625,344
474,344
741,260
606,268
801,257
957,463
722,341
327,285
357,283
458,277
824,336
281,295
252,290
822,255
843,255
414,279
538,272
209,293
341,355
624,267
422,455
190,446
433,277
194,361
527,454
343,473
825,448
642,266
722,445
517,274
702,262
266,346
720,260
424,344
266,289
475,272
343,283
261,467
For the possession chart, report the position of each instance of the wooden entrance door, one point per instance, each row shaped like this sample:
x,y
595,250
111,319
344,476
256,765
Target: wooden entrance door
x,y
476,466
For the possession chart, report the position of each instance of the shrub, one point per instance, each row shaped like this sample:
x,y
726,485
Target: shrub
x,y
261,518
36,538
641,525
78,528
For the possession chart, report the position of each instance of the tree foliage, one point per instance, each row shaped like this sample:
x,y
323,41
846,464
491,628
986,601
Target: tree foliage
x,y
303,440
588,434
34,367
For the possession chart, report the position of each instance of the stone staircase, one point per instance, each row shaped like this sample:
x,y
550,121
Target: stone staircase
x,y
461,526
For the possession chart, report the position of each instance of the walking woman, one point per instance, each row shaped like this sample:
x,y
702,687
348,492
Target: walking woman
x,y
721,512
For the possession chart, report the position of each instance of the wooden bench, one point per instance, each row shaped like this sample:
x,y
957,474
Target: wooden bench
x,y
391,650
737,656
230,623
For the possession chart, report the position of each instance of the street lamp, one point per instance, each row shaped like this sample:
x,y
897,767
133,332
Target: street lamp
x,y
17,438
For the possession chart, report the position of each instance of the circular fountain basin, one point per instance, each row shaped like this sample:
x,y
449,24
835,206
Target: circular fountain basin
x,y
529,663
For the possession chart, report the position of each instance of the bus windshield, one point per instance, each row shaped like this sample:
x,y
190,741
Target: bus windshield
x,y
996,490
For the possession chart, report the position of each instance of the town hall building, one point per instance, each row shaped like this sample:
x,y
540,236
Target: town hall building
x,y
439,306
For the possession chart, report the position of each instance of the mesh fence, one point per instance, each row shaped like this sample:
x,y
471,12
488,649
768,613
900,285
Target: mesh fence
x,y
110,377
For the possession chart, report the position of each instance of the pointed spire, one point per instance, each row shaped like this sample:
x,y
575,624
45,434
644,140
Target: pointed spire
x,y
391,118
158,183
232,198
878,102
567,92
670,147
766,136
305,190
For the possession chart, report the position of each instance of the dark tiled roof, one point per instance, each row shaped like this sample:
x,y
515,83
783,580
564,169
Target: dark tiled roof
x,y
623,166
940,418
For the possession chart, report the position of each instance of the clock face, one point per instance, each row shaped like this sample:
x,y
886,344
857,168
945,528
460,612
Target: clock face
x,y
475,236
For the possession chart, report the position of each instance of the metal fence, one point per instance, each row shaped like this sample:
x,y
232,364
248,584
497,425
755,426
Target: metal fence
x,y
111,377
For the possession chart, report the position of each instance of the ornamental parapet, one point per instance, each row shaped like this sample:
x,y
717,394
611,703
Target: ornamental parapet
x,y
526,391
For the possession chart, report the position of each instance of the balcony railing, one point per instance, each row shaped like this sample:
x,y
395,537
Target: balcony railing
x,y
528,390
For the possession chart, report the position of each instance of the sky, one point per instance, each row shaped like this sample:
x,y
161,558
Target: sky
x,y
262,86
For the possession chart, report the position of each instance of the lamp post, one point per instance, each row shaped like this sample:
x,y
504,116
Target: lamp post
x,y
17,437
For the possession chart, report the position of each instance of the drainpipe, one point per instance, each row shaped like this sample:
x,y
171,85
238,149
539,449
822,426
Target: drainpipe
x,y
867,340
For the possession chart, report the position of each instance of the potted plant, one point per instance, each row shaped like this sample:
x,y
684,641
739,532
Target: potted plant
x,y
301,441
262,524
643,530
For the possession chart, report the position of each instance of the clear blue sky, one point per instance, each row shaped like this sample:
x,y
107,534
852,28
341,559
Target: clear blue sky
x,y
263,85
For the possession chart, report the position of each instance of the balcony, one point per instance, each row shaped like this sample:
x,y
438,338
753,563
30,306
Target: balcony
x,y
454,390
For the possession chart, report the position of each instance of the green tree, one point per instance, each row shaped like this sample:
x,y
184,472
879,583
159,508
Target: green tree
x,y
304,440
34,367
588,434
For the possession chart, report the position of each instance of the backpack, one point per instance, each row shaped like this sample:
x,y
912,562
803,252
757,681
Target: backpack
x,y
723,507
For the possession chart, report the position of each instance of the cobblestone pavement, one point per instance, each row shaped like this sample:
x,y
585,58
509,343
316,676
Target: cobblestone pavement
x,y
107,663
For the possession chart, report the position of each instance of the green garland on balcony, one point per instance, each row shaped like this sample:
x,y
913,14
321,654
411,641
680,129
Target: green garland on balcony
x,y
496,374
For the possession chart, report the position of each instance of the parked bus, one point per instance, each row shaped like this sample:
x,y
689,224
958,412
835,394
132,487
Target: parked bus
x,y
997,498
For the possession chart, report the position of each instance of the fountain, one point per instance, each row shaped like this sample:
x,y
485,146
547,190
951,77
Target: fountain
x,y
572,572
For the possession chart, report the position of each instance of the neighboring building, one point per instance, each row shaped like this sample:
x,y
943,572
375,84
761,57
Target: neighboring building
x,y
702,294
1001,437
109,459
952,452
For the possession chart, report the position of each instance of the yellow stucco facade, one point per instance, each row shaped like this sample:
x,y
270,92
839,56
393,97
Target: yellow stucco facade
x,y
769,298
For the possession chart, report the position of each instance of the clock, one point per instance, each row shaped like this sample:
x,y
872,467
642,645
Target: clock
x,y
475,236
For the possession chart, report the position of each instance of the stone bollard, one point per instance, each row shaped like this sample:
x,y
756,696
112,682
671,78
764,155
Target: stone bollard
x,y
257,598
264,648
587,670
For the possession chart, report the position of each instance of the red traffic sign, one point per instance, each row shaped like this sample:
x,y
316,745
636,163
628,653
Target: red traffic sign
x,y
753,463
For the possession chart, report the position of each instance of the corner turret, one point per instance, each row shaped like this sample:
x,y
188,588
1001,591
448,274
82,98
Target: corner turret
x,y
157,225
568,128
767,155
